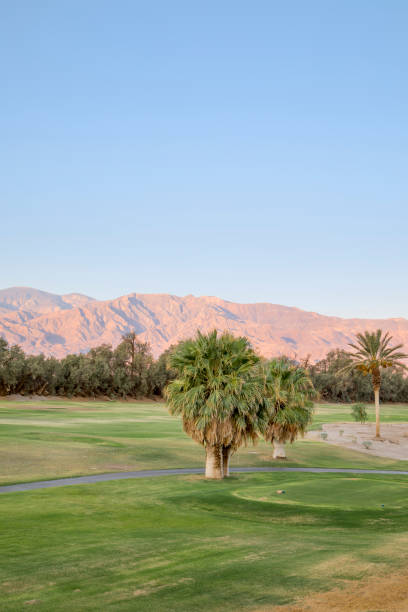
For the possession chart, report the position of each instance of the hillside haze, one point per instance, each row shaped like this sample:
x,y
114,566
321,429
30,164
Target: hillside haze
x,y
42,322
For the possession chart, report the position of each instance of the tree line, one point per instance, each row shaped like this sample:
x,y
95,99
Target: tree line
x,y
335,381
225,394
129,370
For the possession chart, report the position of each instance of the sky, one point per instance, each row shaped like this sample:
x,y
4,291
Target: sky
x,y
257,151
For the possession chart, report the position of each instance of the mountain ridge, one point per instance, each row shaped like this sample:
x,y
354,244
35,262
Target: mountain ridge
x,y
43,322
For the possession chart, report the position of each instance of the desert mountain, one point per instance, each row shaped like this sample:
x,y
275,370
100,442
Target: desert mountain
x,y
25,299
42,322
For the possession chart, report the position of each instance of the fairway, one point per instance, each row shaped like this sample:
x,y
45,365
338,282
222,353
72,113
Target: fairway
x,y
185,544
54,438
351,493
181,543
341,413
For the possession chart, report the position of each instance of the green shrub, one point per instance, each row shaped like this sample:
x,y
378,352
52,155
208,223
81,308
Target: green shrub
x,y
359,413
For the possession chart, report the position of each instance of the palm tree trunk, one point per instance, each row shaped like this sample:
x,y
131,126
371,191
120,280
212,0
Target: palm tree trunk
x,y
377,411
226,454
279,450
213,462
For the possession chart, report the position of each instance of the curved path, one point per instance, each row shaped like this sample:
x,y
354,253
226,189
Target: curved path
x,y
63,482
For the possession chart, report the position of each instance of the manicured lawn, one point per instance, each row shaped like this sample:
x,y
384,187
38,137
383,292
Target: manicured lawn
x,y
335,413
55,438
185,544
182,543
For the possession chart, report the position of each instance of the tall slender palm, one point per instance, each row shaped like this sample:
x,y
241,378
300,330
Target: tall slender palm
x,y
371,353
289,392
217,394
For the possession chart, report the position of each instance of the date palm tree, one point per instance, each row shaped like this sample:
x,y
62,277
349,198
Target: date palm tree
x,y
289,393
372,352
218,395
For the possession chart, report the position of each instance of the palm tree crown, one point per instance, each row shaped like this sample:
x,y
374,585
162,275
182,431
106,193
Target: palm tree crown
x,y
372,352
289,392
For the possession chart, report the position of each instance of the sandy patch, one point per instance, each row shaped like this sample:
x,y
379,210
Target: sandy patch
x,y
392,444
382,594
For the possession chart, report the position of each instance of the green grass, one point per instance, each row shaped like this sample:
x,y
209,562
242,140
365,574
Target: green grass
x,y
339,413
348,493
56,438
181,543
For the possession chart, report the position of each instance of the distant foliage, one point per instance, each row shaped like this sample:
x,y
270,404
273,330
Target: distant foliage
x,y
127,371
359,413
130,370
335,385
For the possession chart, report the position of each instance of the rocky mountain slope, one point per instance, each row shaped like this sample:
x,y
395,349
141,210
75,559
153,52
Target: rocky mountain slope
x,y
56,325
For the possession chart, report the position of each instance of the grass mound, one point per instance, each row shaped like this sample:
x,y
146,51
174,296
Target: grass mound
x,y
348,493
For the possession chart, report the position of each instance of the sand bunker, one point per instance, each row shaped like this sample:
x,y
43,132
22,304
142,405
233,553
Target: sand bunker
x,y
392,444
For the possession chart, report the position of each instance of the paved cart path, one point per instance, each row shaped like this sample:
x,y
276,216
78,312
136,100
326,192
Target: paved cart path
x,y
63,482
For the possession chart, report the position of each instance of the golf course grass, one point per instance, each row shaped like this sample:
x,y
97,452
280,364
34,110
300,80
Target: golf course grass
x,y
182,543
351,493
341,413
53,438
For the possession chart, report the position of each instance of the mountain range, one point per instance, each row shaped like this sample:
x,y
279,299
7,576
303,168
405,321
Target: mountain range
x,y
42,322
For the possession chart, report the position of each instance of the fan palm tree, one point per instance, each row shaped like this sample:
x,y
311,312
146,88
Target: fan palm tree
x,y
218,395
372,351
289,393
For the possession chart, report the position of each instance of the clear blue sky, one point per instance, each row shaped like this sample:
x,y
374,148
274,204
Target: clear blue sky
x,y
257,151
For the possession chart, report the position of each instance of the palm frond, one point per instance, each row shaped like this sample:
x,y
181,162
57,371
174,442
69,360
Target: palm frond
x,y
218,389
372,351
289,392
